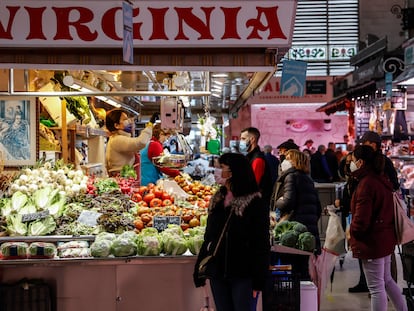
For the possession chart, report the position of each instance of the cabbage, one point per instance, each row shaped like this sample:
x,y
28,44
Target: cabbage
x,y
105,236
101,248
18,200
149,245
174,244
194,243
123,246
15,226
43,226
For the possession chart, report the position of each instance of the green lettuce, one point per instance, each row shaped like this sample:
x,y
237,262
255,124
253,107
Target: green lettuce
x,y
41,227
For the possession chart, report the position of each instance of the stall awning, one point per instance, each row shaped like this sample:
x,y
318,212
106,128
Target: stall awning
x,y
407,74
337,104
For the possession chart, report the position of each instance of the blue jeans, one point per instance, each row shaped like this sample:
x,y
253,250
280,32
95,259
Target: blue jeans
x,y
235,294
380,284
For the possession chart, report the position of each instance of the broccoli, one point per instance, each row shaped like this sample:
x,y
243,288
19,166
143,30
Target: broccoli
x,y
289,238
306,242
299,227
282,227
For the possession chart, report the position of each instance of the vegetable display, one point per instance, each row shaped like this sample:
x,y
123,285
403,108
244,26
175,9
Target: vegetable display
x,y
294,234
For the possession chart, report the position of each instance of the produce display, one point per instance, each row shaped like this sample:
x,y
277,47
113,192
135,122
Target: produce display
x,y
125,219
294,234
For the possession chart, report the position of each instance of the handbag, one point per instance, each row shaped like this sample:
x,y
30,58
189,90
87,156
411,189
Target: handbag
x,y
404,227
206,261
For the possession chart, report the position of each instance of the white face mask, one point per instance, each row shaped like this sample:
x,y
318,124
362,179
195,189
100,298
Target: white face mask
x,y
244,146
218,176
285,165
353,167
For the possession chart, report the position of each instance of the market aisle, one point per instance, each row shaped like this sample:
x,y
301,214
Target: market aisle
x,y
340,299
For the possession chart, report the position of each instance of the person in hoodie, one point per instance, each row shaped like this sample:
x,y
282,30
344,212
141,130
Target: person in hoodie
x,y
240,268
371,233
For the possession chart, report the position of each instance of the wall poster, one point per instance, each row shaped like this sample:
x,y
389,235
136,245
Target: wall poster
x,y
18,131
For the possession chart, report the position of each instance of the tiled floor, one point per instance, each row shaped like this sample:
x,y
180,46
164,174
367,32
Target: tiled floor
x,y
339,299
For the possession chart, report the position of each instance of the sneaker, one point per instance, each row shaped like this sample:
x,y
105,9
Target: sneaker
x,y
360,288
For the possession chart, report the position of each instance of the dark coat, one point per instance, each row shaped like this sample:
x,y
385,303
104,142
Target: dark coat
x,y
372,225
245,249
295,192
318,172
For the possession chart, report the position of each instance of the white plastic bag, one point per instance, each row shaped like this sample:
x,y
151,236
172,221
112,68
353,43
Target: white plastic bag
x,y
335,235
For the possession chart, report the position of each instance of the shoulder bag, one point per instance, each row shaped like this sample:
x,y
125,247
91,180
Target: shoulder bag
x,y
206,261
404,227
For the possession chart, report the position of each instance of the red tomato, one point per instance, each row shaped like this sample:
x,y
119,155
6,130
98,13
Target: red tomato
x,y
155,202
165,195
148,197
136,197
166,202
150,185
158,192
142,190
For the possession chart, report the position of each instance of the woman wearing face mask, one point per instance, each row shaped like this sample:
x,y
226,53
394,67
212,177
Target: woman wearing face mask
x,y
372,235
296,198
122,147
149,172
239,271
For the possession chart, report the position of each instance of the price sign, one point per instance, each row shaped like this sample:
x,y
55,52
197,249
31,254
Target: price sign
x,y
35,216
162,222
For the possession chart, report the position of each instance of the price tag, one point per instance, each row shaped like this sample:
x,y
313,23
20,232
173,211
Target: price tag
x,y
35,216
162,222
89,218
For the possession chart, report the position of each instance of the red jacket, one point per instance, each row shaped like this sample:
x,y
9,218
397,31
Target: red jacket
x,y
155,149
372,208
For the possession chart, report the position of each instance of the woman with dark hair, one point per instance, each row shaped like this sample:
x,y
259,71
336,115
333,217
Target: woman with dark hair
x,y
149,172
372,235
122,147
240,268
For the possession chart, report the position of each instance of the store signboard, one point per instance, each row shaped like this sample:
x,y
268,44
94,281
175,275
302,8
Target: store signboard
x,y
162,24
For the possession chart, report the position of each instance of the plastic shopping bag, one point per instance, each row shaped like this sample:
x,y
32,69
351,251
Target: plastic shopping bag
x,y
335,235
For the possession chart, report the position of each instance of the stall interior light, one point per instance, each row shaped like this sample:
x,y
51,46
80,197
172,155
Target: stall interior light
x,y
407,82
82,87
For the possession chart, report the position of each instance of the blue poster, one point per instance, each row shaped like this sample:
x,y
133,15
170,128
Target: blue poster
x,y
293,78
128,40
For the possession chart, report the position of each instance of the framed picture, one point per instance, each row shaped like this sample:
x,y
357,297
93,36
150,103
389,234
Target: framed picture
x,y
18,131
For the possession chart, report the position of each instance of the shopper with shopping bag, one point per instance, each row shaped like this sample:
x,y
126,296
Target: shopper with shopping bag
x,y
372,235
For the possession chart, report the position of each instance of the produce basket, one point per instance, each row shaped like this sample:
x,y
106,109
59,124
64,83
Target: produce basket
x,y
176,161
285,290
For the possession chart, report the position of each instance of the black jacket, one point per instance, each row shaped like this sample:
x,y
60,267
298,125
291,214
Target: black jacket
x,y
295,193
245,249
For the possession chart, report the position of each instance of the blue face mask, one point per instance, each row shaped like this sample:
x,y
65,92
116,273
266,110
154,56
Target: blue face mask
x,y
128,128
243,146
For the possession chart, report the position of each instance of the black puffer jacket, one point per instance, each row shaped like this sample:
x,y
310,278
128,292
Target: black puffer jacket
x,y
295,193
245,249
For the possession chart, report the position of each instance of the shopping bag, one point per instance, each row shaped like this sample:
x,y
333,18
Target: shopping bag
x,y
335,235
404,227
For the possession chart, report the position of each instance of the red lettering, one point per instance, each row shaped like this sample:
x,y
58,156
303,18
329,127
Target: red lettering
x,y
230,24
268,87
273,25
185,15
63,24
108,22
158,22
6,33
136,26
35,18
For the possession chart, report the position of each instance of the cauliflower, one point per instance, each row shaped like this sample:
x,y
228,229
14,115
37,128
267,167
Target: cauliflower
x,y
306,242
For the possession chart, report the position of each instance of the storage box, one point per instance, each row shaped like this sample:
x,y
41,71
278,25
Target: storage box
x,y
25,295
285,292
308,296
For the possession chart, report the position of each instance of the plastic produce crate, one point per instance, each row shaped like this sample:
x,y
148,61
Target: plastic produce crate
x,y
285,293
26,295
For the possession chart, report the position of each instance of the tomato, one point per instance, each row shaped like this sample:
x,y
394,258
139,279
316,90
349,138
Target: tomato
x,y
146,217
136,197
184,226
166,202
194,222
157,192
142,203
148,197
142,190
139,224
155,202
151,185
